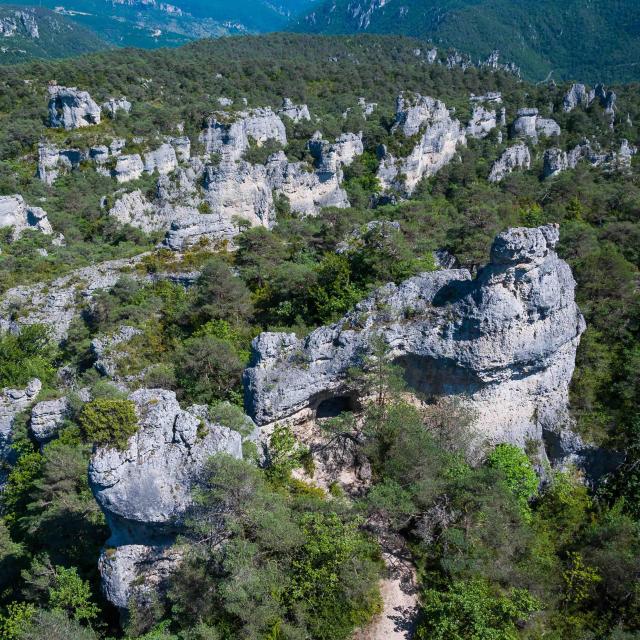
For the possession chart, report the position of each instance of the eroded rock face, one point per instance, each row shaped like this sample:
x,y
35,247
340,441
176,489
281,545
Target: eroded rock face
x,y
17,215
516,157
71,108
134,209
229,133
555,162
145,489
163,160
504,343
529,124
436,148
52,161
128,168
47,417
113,105
482,122
577,96
295,112
12,402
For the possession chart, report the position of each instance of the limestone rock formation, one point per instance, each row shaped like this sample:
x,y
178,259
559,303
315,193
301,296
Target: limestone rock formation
x,y
54,303
52,160
12,402
102,349
578,95
295,112
145,489
503,343
113,105
182,147
436,148
529,124
229,133
555,162
482,122
17,215
134,209
163,160
128,168
71,108
47,417
516,157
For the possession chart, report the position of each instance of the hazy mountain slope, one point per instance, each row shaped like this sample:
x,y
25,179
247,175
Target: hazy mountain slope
x,y
596,40
151,24
27,33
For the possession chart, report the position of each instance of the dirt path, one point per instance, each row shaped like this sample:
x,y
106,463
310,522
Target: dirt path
x,y
399,600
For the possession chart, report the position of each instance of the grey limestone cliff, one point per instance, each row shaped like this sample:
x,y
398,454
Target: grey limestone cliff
x,y
71,108
504,343
19,217
515,157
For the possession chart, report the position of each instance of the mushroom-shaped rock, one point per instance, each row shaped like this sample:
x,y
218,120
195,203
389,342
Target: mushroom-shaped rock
x,y
503,343
71,108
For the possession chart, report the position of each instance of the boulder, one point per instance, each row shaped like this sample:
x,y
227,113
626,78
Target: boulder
x,y
516,157
52,161
47,417
503,343
113,105
146,489
577,96
71,108
437,146
163,160
295,112
529,124
19,217
128,168
482,122
555,161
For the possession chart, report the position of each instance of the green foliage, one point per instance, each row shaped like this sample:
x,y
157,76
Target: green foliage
x,y
284,454
27,355
109,422
518,473
472,610
17,620
72,595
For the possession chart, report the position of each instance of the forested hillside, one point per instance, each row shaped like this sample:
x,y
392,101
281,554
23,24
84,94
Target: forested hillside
x,y
190,449
596,41
29,32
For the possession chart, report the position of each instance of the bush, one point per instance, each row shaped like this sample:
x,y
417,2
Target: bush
x,y
109,422
518,473
25,356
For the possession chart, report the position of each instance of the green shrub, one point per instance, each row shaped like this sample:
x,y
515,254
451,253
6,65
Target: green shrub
x,y
518,473
109,422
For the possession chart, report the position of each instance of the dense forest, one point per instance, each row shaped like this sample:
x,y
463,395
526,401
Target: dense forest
x,y
501,548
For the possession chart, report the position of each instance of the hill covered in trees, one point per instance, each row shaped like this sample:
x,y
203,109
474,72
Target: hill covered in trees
x,y
162,210
595,41
34,32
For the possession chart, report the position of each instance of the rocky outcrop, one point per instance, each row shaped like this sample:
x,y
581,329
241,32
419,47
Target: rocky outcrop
x,y
103,349
47,417
19,217
52,161
13,402
577,96
134,209
113,105
23,22
128,168
145,489
163,160
55,303
503,343
436,148
295,112
228,134
529,124
182,147
556,160
71,108
367,108
482,122
192,228
516,157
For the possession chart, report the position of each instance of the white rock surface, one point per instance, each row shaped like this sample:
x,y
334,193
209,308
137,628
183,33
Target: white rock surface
x,y
515,157
71,108
19,217
47,417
